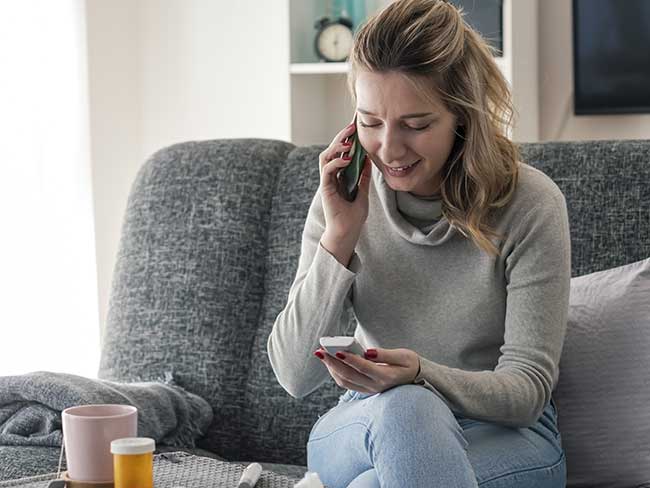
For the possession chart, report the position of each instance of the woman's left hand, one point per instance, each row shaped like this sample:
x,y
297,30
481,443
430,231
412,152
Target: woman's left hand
x,y
380,370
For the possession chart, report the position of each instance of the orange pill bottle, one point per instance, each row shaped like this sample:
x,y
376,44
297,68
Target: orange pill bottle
x,y
133,462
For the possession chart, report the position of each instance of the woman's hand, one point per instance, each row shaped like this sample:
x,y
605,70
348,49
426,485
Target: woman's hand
x,y
343,219
383,369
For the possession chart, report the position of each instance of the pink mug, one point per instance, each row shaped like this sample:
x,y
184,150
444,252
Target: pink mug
x,y
87,434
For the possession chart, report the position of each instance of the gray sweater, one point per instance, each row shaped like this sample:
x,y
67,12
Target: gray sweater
x,y
489,330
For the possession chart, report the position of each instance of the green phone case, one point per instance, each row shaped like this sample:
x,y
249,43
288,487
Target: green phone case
x,y
348,177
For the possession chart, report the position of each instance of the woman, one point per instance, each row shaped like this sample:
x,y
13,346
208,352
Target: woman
x,y
457,270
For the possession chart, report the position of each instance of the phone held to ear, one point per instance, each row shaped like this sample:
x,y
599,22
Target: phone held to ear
x,y
348,177
342,343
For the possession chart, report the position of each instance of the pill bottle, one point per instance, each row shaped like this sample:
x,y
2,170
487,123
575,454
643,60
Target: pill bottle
x,y
133,462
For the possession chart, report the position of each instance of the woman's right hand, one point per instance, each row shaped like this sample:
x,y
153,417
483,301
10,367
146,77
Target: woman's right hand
x,y
343,219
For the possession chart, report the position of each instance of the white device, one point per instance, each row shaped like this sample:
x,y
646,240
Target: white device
x,y
311,480
342,343
250,476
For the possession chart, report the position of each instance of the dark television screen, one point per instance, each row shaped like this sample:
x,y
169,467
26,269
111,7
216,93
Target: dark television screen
x,y
611,56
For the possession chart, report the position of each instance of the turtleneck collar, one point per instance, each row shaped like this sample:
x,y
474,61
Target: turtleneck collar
x,y
427,209
417,219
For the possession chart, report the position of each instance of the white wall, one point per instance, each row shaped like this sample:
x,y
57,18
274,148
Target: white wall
x,y
213,69
557,121
115,124
165,71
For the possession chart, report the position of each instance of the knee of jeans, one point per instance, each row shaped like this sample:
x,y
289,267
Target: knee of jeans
x,y
413,401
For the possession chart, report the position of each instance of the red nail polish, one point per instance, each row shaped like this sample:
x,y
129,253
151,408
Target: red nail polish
x,y
340,355
319,355
371,353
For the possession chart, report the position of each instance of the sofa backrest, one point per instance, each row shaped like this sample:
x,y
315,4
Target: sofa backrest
x,y
278,424
607,188
210,247
189,278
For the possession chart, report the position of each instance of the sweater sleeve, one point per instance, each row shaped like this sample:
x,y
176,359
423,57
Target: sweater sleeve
x,y
538,272
320,295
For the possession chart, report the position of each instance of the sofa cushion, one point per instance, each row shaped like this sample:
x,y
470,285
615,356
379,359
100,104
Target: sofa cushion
x,y
603,394
188,282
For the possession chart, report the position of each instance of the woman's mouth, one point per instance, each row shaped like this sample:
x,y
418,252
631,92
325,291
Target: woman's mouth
x,y
402,172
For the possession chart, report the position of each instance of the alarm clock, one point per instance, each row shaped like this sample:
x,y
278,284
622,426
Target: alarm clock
x,y
334,39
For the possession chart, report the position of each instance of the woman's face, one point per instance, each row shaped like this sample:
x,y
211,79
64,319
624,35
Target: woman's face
x,y
394,141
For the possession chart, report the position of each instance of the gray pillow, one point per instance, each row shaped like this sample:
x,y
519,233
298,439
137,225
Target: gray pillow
x,y
603,392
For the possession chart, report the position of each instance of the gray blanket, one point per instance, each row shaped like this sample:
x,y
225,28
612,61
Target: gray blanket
x,y
31,405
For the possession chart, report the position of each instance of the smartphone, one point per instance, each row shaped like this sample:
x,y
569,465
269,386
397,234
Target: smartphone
x,y
348,178
333,344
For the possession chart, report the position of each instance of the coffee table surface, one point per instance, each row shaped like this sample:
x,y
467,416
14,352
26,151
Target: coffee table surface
x,y
181,469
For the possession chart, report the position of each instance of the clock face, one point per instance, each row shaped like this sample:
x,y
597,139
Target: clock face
x,y
335,42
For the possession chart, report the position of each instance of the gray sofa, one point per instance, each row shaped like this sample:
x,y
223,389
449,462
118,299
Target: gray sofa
x,y
210,246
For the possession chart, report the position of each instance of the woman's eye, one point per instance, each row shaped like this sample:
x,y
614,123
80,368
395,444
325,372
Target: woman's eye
x,y
413,128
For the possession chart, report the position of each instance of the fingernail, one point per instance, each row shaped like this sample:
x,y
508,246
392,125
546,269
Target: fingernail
x,y
346,158
340,355
371,353
319,355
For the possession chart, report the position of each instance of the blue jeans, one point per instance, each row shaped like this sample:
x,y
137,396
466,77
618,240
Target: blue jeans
x,y
408,437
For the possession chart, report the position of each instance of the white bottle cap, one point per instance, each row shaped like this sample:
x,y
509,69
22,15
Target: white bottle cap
x,y
133,445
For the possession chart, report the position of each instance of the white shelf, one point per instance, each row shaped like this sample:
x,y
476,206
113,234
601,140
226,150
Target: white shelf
x,y
325,68
504,65
317,68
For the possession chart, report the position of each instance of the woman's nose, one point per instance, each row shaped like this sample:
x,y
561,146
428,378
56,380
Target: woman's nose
x,y
390,148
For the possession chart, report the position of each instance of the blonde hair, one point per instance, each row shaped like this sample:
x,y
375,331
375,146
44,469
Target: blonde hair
x,y
430,43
